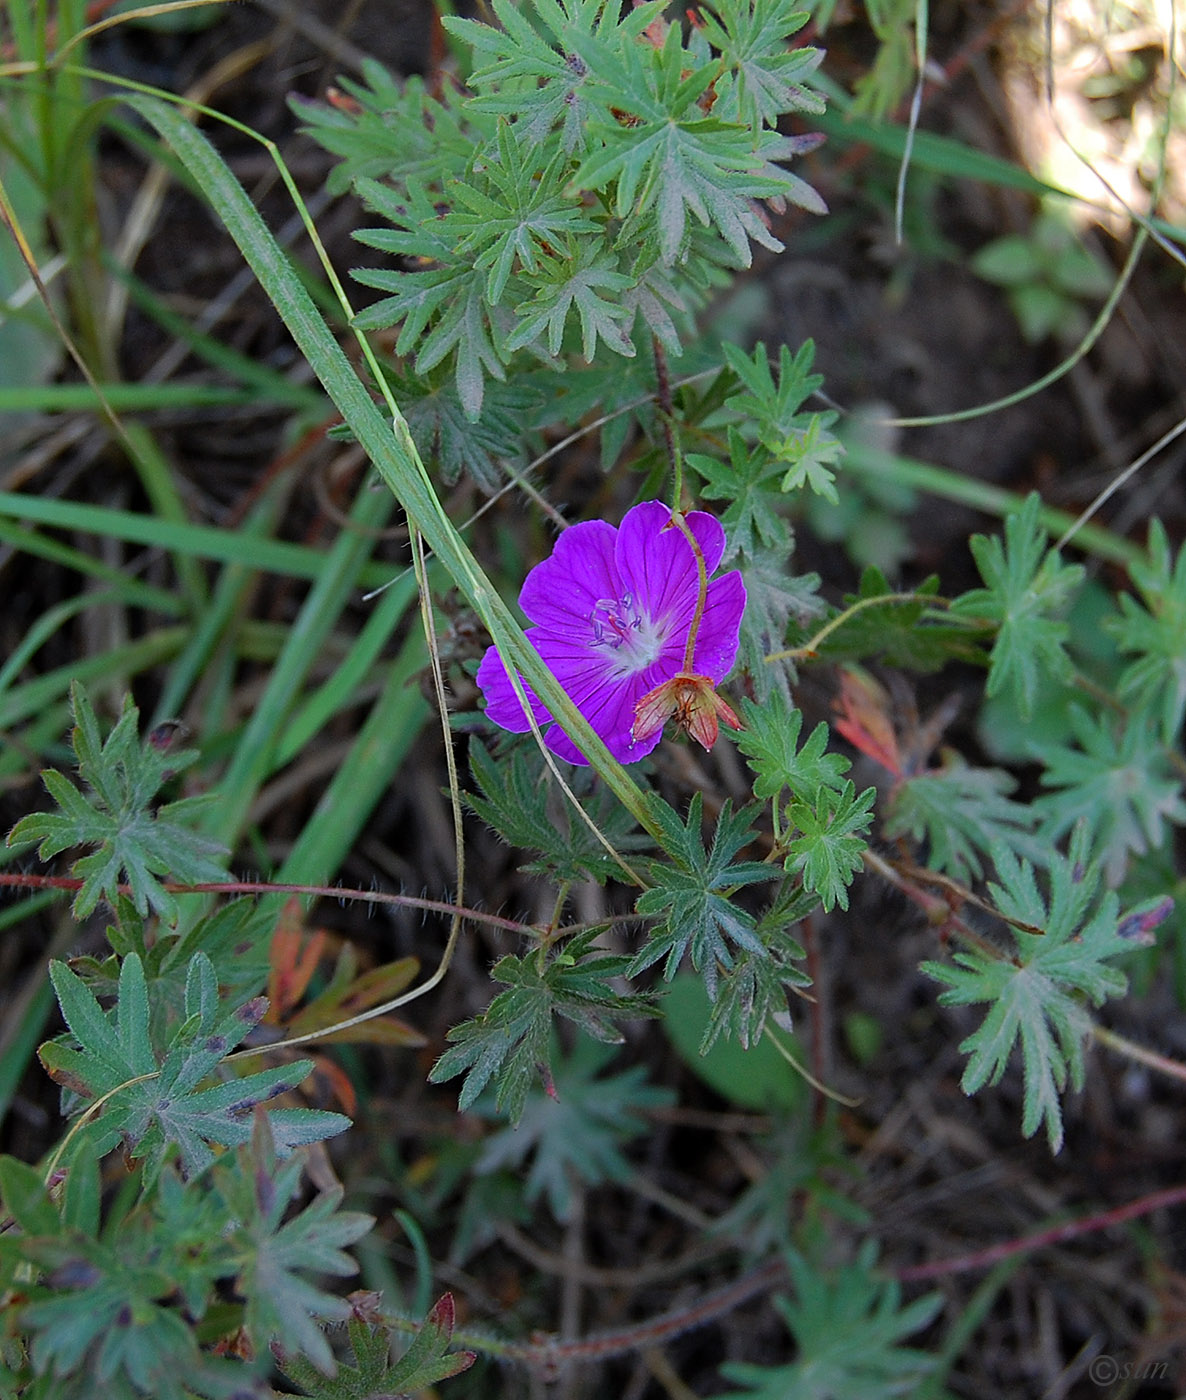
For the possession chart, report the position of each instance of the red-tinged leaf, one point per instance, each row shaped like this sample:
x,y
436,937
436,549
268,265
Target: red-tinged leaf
x,y
56,1060
344,999
293,961
338,1083
865,720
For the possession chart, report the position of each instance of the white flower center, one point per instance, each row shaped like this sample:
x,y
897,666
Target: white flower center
x,y
629,637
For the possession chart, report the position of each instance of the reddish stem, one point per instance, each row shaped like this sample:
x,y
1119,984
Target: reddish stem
x,y
1056,1234
19,880
548,1355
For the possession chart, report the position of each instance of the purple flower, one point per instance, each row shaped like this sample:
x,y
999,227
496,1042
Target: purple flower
x,y
612,609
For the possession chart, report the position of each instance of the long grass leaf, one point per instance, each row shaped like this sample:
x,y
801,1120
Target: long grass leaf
x,y
370,767
255,757
204,541
387,443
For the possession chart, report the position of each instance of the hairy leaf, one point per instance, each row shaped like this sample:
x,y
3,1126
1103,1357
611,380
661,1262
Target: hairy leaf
x,y
765,78
849,1326
510,1042
1154,630
133,841
692,891
749,481
1035,996
903,631
513,799
575,1126
1118,783
152,1107
827,851
770,740
1026,585
962,813
802,443
272,1256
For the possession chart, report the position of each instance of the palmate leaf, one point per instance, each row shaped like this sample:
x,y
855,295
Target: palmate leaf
x,y
99,1307
155,1107
1154,630
451,440
397,131
443,309
666,158
812,456
374,1376
532,69
507,211
272,1256
755,987
692,891
802,443
763,78
772,598
117,1325
575,1127
510,1041
1036,995
133,842
849,1326
827,851
588,282
905,632
770,740
512,799
749,482
1117,783
1026,585
962,813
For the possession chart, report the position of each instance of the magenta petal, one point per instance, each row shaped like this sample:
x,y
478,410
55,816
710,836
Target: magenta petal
x,y
710,536
720,627
656,563
503,706
562,591
611,714
613,609
563,747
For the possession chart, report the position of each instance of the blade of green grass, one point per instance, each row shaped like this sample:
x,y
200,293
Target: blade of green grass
x,y
25,1016
44,628
128,398
337,692
993,500
370,767
43,737
255,757
204,541
116,665
156,476
387,442
129,591
270,386
943,155
214,625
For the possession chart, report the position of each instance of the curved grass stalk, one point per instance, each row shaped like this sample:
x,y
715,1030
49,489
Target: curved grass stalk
x,y
808,650
921,25
387,441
